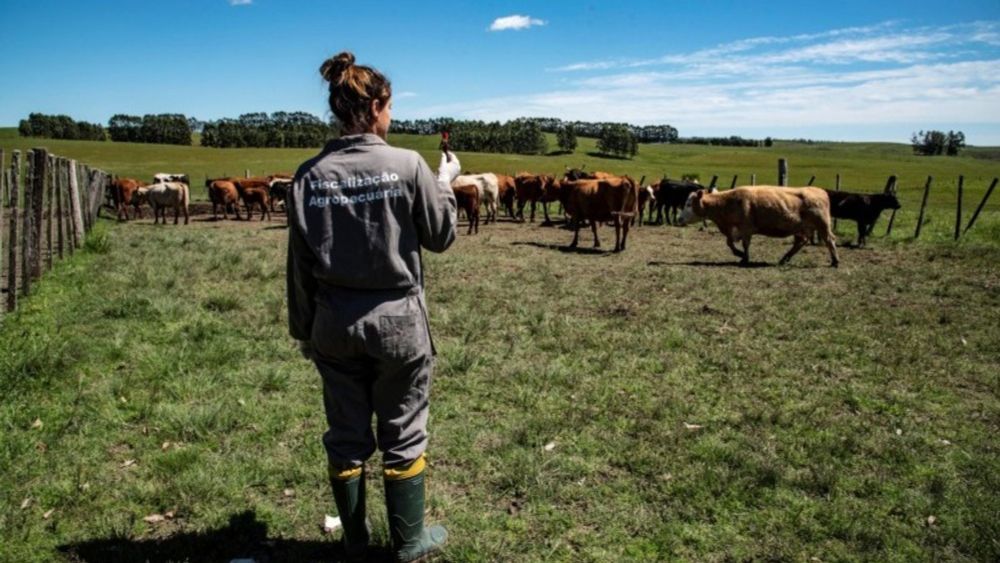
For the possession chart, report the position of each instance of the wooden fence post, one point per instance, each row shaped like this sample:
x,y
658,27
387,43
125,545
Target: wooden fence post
x,y
27,228
836,187
782,172
74,204
68,204
753,179
974,215
14,188
891,190
247,173
733,185
923,205
40,167
60,186
811,180
3,204
49,196
958,208
715,180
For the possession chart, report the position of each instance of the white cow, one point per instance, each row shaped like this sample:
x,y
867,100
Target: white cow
x,y
489,191
168,194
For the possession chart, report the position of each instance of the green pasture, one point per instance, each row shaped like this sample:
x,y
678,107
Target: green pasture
x,y
659,404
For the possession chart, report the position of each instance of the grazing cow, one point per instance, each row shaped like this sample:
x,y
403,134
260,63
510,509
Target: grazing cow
x,y
489,190
122,194
532,187
467,198
168,194
771,211
278,189
164,177
612,199
139,197
223,193
672,195
508,192
862,208
254,192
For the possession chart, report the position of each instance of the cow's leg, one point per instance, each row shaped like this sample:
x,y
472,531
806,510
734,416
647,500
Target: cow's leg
x,y
177,213
533,202
545,211
593,227
618,232
862,233
576,233
187,216
800,241
831,244
745,240
732,246
625,229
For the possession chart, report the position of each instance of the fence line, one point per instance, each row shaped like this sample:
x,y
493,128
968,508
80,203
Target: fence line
x,y
48,204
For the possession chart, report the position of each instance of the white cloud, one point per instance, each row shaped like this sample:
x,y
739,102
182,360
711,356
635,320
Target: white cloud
x,y
514,22
240,2
400,95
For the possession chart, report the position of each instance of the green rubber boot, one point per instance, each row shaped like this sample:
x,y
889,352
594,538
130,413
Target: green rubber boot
x,y
404,500
349,493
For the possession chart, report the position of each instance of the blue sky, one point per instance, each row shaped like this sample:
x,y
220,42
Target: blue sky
x,y
844,70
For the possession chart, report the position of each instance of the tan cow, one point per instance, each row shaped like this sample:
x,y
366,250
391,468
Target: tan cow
x,y
772,211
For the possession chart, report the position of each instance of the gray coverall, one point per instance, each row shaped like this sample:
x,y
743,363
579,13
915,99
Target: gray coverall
x,y
358,214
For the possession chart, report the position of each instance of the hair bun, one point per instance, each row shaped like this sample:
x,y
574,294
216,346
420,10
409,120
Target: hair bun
x,y
333,68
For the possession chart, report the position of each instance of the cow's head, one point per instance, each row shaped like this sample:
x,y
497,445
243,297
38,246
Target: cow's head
x,y
886,201
692,207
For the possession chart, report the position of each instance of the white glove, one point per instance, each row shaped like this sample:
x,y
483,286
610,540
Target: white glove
x,y
448,171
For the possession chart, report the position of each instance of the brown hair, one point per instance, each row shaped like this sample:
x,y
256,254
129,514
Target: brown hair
x,y
352,89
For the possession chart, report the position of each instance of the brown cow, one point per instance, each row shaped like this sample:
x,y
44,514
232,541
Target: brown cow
x,y
613,199
531,187
467,197
508,192
224,193
772,211
255,192
122,194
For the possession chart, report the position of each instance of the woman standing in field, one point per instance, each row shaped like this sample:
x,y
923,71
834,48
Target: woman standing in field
x,y
360,212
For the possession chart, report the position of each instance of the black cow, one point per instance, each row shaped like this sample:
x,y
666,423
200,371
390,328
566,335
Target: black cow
x,y
862,208
672,195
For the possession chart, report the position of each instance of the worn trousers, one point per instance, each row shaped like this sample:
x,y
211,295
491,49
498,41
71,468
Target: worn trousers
x,y
375,355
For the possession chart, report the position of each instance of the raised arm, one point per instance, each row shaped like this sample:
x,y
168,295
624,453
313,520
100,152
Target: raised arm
x,y
434,208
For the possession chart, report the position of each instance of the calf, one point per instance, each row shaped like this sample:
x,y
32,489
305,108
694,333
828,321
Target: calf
x,y
223,193
613,199
467,197
168,194
767,210
862,208
254,192
489,190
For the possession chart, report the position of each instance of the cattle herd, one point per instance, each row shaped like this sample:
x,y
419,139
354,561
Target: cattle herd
x,y
595,198
592,198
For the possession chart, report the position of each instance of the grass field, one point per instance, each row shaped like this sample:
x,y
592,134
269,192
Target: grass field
x,y
659,404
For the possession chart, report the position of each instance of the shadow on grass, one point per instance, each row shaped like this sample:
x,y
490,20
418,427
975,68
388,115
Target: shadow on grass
x,y
563,248
712,264
245,537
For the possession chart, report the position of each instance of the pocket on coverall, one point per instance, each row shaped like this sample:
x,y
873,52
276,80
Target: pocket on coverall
x,y
403,337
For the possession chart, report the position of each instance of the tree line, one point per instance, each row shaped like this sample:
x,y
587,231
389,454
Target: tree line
x,y
163,128
60,127
519,136
643,134
278,130
931,143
